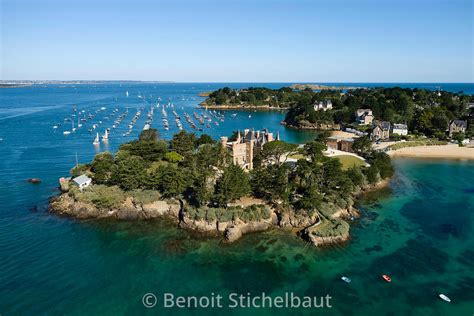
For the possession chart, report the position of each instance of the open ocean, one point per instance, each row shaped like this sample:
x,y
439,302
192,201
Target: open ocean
x,y
420,231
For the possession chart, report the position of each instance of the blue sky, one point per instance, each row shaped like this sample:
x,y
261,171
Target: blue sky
x,y
246,41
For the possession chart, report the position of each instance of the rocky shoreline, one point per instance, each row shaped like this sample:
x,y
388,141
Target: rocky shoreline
x,y
305,226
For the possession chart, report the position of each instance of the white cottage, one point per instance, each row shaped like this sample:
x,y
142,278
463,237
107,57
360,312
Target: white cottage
x,y
82,181
400,129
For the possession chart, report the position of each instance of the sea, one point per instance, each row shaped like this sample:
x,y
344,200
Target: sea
x,y
419,230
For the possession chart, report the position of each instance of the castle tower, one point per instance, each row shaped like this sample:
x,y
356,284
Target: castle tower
x,y
224,141
270,137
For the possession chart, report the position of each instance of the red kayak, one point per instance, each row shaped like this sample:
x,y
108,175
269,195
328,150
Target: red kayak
x,y
386,278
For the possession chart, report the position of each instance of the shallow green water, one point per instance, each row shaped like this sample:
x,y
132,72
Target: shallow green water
x,y
420,232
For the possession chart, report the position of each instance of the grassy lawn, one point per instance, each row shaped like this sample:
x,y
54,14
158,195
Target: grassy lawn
x,y
425,142
350,161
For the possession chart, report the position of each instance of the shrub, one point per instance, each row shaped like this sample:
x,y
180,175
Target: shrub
x,y
100,195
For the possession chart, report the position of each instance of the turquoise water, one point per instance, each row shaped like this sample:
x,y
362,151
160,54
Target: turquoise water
x,y
419,231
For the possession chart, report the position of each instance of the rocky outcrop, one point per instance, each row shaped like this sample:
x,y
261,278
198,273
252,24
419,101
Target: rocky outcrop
x,y
128,210
234,231
306,226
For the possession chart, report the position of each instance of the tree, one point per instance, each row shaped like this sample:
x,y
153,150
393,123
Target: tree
x,y
459,137
362,145
315,150
205,139
102,166
183,143
149,135
356,176
233,184
148,150
130,173
171,180
277,151
173,157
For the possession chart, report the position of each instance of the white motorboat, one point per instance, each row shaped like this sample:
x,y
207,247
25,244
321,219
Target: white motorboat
x,y
445,298
346,279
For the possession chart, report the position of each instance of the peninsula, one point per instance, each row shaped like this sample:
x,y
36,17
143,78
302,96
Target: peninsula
x,y
243,183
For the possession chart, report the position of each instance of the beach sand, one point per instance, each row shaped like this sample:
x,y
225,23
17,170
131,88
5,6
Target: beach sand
x,y
450,151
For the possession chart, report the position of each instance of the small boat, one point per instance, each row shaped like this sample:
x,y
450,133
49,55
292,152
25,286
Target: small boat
x,y
386,278
346,279
250,115
66,132
105,137
96,140
34,180
445,298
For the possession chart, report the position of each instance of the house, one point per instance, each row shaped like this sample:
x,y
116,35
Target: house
x,y
400,129
247,145
337,143
381,131
457,126
322,105
82,181
364,116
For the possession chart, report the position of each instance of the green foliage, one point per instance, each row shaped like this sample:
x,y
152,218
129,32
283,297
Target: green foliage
x,y
149,135
148,150
79,169
362,145
183,143
255,212
271,182
130,173
102,167
145,196
331,228
276,151
356,175
100,195
170,180
424,142
173,157
233,184
315,150
204,139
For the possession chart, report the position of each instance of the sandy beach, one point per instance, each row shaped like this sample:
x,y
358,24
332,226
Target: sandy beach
x,y
450,151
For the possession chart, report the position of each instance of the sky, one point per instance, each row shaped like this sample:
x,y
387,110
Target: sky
x,y
238,41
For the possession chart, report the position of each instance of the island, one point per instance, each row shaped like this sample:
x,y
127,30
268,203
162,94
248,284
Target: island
x,y
310,86
247,182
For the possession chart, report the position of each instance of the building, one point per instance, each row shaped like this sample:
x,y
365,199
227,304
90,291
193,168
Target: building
x,y
400,129
364,116
381,131
82,181
247,145
322,105
457,126
336,143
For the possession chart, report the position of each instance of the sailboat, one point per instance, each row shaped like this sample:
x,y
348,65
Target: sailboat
x,y
79,125
126,93
96,140
73,128
105,137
